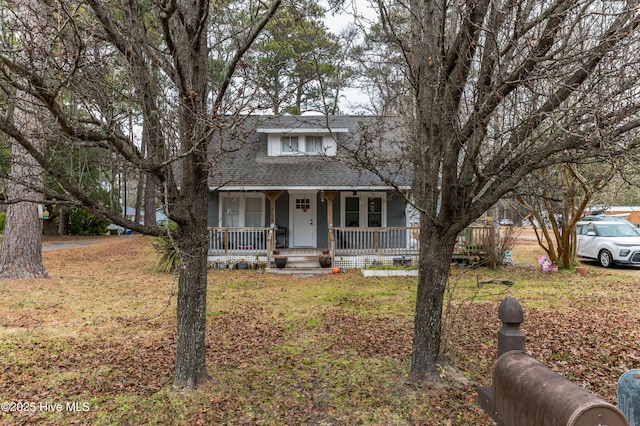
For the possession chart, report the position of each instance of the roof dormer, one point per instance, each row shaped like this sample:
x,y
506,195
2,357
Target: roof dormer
x,y
301,141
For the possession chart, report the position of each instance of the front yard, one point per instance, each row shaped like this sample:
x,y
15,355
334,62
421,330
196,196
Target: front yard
x,y
95,342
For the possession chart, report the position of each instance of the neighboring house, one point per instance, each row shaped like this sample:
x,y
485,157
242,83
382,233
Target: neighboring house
x,y
300,184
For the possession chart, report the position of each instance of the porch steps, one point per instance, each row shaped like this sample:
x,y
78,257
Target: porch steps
x,y
299,264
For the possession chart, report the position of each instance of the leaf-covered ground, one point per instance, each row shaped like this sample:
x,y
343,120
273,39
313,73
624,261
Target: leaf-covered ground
x,y
94,344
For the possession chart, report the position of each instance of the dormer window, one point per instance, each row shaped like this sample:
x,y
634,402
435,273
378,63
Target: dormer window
x,y
311,141
289,145
292,145
313,145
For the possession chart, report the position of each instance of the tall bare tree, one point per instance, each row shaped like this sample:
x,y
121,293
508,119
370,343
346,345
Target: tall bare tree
x,y
21,252
501,88
114,58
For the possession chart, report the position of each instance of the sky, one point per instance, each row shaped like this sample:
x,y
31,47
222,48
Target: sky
x,y
335,24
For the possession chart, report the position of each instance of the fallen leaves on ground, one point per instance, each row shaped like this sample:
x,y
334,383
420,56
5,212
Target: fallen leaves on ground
x,y
283,350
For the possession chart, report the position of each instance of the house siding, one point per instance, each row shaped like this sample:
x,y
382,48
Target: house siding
x,y
322,238
396,210
282,211
214,202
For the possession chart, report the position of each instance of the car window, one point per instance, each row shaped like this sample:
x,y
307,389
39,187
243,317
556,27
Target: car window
x,y
617,230
585,228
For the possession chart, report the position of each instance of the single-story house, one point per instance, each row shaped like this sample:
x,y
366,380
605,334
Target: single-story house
x,y
301,185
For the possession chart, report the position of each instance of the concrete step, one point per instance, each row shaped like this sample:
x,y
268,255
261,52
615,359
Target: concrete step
x,y
299,271
300,264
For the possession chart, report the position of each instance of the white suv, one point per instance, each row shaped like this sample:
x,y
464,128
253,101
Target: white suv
x,y
609,242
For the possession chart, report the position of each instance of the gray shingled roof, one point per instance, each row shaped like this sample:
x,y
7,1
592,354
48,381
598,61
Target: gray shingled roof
x,y
248,166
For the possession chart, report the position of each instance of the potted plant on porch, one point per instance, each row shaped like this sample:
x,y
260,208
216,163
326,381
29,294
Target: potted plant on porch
x,y
325,259
242,264
281,261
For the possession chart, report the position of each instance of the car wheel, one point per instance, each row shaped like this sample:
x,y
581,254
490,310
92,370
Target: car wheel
x,y
605,258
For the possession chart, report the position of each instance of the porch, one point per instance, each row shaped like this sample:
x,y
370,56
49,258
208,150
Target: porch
x,y
349,247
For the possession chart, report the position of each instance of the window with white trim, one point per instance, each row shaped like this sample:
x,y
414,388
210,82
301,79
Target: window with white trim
x,y
253,212
374,211
230,211
300,144
351,211
289,145
242,209
364,209
313,144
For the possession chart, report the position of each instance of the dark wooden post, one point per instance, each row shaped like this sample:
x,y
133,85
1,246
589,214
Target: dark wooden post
x,y
525,392
510,338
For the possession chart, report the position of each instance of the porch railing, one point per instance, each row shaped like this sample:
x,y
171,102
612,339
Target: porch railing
x,y
404,240
345,241
399,240
474,240
238,241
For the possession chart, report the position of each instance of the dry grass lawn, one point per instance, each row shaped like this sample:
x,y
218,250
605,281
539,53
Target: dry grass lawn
x,y
94,343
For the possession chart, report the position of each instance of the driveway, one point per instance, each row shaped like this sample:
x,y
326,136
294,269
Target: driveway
x,y
69,242
67,245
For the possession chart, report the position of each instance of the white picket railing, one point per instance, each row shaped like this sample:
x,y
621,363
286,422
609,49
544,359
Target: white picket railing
x,y
238,241
344,241
398,240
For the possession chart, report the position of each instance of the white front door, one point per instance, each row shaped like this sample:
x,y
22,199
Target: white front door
x,y
303,220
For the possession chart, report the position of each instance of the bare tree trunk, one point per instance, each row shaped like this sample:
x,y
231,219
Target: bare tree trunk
x,y
191,237
139,192
435,257
63,221
149,202
190,369
192,243
21,255
49,226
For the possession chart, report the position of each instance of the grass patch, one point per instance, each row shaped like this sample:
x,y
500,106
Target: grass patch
x,y
331,349
386,267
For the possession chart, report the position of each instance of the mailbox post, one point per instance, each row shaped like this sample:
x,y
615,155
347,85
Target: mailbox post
x,y
510,338
525,392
